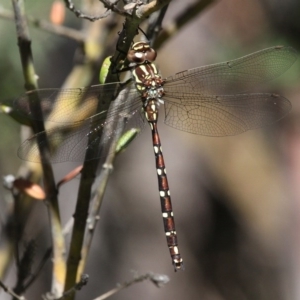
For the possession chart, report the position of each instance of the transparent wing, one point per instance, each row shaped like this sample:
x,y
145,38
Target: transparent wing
x,y
70,140
190,104
60,105
226,115
235,76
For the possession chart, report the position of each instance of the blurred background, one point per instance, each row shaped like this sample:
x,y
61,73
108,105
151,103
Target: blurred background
x,y
236,199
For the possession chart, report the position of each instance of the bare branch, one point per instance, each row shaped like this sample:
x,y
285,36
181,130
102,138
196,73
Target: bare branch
x,y
143,11
25,266
30,78
77,287
181,20
155,24
11,292
47,26
42,263
158,279
109,6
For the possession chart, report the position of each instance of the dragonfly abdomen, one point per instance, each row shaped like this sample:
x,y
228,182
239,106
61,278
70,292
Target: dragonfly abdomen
x,y
151,114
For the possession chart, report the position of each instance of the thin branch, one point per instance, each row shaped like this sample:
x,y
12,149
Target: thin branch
x,y
47,26
25,266
157,279
113,7
58,29
38,126
102,179
77,287
155,24
110,7
11,292
77,258
144,11
39,268
181,20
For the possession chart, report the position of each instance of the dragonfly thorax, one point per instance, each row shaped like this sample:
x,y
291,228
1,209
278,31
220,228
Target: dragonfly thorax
x,y
148,81
153,93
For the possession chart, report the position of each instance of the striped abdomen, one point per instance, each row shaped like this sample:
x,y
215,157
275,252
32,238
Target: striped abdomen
x,y
151,113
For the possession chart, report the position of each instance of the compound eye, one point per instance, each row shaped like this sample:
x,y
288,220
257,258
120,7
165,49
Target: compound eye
x,y
139,57
151,55
136,56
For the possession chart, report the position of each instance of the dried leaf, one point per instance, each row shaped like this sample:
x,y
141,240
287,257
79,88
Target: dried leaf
x,y
58,12
30,188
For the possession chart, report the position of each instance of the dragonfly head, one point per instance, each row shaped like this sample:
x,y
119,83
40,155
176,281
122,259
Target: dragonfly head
x,y
141,53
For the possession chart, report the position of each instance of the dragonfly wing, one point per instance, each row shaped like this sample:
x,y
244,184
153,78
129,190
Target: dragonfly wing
x,y
68,105
67,143
226,115
70,141
234,76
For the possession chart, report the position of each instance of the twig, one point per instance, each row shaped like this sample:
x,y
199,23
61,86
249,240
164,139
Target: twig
x,y
144,11
77,287
157,279
58,29
11,292
39,268
102,179
185,17
68,227
88,175
47,26
25,266
110,7
155,22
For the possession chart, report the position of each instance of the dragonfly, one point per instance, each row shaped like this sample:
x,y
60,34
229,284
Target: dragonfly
x,y
212,100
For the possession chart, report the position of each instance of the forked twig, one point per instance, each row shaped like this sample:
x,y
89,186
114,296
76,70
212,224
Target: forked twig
x,y
108,5
77,287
